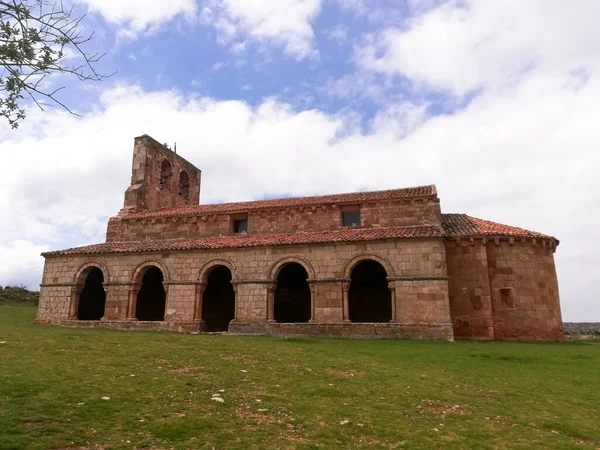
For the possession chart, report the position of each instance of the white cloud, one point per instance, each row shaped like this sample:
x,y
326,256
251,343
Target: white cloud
x,y
282,22
135,16
21,263
462,46
339,33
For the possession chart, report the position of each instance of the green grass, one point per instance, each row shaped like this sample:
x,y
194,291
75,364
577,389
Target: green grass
x,y
292,393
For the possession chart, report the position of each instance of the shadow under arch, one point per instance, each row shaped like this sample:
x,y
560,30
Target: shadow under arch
x,y
216,301
149,295
89,299
369,295
290,295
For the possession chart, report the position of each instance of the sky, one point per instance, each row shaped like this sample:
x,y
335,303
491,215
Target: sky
x,y
497,103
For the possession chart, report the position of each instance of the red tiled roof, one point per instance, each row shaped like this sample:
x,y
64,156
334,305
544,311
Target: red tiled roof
x,y
459,225
453,225
356,197
345,235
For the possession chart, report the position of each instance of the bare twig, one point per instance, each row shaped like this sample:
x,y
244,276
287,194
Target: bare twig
x,y
34,35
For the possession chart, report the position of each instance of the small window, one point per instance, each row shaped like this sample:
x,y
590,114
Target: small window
x,y
166,173
184,185
240,226
351,218
507,297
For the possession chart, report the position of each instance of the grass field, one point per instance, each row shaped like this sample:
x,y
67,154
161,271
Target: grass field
x,y
292,393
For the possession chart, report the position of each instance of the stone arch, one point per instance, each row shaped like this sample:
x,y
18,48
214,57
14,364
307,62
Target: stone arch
x,y
216,296
148,296
84,269
138,273
88,297
369,295
205,270
363,257
276,268
273,276
292,296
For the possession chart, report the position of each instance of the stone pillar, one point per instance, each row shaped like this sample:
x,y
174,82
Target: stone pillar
x,y
74,306
117,301
313,287
345,290
392,288
235,301
106,300
198,304
132,301
271,302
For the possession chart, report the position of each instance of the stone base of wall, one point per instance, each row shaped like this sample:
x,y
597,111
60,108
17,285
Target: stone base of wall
x,y
324,330
346,330
555,337
178,327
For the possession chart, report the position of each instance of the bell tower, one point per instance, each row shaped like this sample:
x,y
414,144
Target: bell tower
x,y
160,178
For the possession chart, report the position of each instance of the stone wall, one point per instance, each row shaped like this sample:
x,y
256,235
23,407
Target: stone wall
x,y
416,270
496,290
524,290
503,289
392,213
470,296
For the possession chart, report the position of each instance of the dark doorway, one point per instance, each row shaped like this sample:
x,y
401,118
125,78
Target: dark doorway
x,y
292,295
218,300
92,298
369,298
151,298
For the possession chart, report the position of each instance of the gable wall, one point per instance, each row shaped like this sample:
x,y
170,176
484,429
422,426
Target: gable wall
x,y
396,213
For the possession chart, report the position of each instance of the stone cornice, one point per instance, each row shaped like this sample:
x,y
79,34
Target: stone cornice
x,y
419,278
256,281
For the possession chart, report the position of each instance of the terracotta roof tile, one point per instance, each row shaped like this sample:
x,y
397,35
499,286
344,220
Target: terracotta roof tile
x,y
356,197
453,225
457,225
345,235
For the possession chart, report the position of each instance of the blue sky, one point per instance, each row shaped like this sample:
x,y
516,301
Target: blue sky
x,y
494,102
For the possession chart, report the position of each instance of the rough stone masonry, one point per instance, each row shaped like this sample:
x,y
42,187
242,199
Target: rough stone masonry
x,y
385,264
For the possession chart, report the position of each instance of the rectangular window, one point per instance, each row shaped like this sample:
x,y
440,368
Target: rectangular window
x,y
240,226
351,218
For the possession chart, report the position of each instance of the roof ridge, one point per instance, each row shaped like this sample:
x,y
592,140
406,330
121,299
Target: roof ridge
x,y
429,189
255,240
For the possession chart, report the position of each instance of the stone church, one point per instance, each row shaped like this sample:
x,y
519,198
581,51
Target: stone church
x,y
383,264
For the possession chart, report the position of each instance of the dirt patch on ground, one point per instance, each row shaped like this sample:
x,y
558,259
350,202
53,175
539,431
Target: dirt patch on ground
x,y
243,358
188,369
347,373
434,407
255,419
